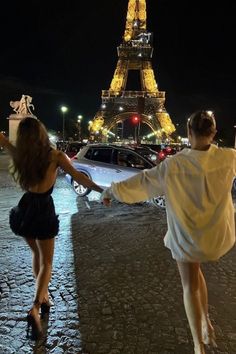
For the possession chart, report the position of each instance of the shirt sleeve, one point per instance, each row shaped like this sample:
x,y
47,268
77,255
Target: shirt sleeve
x,y
234,161
141,187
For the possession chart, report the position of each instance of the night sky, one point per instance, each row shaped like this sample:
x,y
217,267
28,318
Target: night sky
x,y
64,52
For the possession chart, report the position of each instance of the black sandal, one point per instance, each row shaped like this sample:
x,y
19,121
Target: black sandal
x,y
36,330
45,307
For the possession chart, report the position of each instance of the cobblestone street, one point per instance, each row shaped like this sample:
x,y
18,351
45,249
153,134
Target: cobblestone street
x,y
115,286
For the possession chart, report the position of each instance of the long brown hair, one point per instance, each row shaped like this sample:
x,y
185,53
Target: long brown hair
x,y
31,158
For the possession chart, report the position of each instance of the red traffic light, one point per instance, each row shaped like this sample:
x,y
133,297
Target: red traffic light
x,y
135,119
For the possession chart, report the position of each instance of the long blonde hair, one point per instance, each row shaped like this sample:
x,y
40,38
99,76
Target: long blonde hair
x,y
31,158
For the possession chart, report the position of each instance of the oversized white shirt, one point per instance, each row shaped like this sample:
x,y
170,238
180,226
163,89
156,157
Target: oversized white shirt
x,y
197,187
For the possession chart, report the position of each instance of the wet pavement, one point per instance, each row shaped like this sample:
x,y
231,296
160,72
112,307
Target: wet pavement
x,y
115,287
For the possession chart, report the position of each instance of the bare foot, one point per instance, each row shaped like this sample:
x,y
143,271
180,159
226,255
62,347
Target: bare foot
x,y
208,334
199,349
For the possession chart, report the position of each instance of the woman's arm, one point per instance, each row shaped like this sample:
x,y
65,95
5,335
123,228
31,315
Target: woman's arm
x,y
5,143
79,177
140,187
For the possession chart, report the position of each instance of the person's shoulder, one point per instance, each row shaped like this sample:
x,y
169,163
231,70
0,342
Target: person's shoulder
x,y
183,152
225,150
225,154
180,155
176,162
59,156
57,153
232,152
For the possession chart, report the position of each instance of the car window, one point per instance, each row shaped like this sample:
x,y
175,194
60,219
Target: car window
x,y
148,154
121,158
88,155
137,161
130,159
99,154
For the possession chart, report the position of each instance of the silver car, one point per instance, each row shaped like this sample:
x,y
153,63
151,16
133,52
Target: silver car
x,y
107,163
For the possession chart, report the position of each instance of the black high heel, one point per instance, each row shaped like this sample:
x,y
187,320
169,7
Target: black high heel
x,y
45,306
36,332
45,309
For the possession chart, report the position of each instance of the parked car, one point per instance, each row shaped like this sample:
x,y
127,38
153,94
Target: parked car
x,y
107,163
163,151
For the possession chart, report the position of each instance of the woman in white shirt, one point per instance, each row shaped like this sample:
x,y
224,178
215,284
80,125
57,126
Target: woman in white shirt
x,y
197,186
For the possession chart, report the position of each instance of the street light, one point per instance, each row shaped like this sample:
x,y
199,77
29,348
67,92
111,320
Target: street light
x,y
64,109
79,119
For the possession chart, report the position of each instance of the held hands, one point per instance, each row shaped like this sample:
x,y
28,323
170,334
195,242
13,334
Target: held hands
x,y
106,202
105,198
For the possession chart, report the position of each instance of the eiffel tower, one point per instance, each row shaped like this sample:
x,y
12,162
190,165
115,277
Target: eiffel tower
x,y
118,105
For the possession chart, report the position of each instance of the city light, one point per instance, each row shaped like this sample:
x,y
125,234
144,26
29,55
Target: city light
x,y
135,119
64,109
79,119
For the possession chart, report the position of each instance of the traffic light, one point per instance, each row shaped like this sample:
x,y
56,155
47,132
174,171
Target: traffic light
x,y
135,119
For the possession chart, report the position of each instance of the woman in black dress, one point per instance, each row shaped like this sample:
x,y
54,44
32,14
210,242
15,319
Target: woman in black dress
x,y
35,165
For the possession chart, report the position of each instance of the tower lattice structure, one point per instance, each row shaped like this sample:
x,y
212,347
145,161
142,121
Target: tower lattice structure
x,y
134,53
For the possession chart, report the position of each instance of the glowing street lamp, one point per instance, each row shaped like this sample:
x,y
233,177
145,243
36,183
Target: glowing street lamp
x,y
79,119
64,109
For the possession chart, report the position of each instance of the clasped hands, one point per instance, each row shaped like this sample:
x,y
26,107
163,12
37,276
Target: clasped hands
x,y
105,198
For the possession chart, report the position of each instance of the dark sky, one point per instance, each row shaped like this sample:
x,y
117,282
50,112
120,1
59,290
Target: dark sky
x,y
64,52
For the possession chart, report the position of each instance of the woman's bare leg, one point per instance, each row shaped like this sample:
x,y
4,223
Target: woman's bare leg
x,y
42,257
46,251
207,328
35,255
36,262
190,278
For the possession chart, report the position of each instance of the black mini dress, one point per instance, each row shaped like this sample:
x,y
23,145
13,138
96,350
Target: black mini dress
x,y
34,216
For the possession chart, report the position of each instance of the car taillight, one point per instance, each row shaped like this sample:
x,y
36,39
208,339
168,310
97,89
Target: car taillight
x,y
161,155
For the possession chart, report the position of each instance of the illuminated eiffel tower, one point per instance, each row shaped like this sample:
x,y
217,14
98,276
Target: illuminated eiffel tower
x,y
118,105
